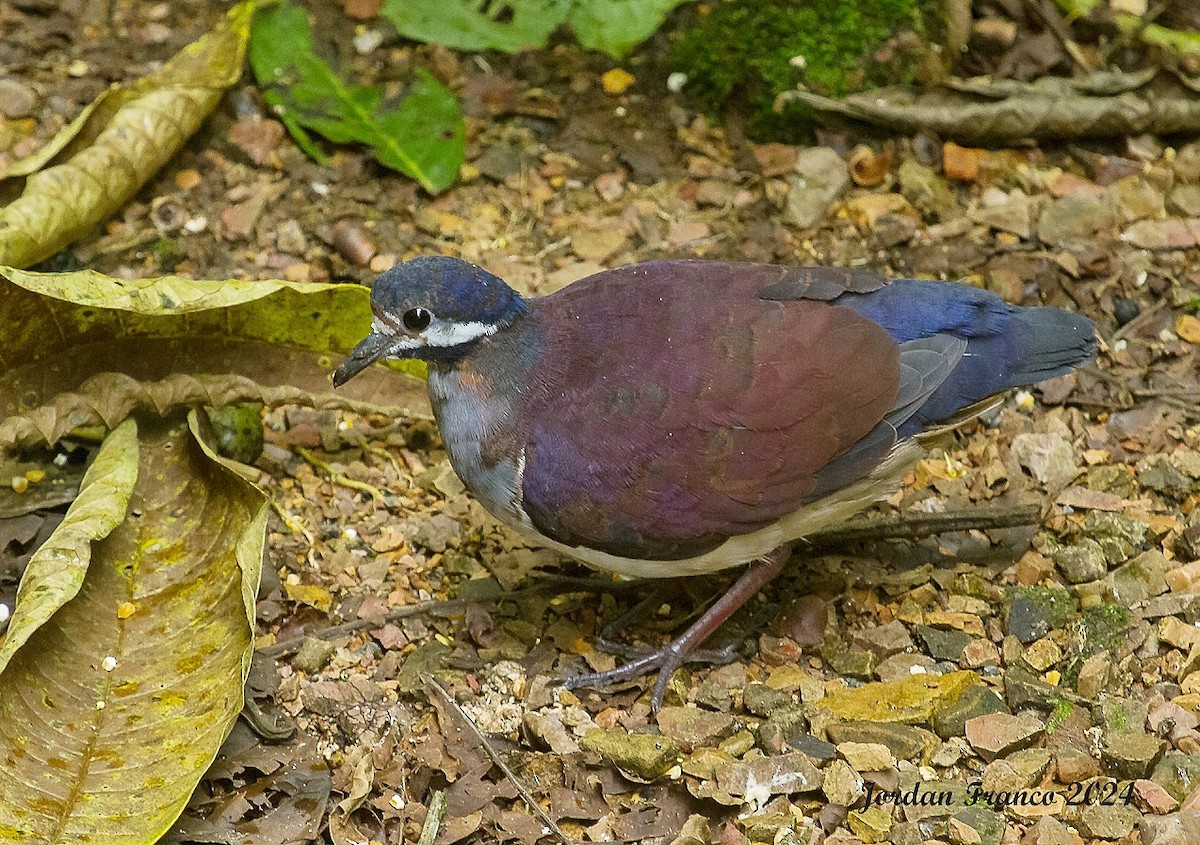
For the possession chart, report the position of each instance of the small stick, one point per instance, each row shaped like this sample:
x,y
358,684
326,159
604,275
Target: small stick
x,y
498,761
433,818
924,525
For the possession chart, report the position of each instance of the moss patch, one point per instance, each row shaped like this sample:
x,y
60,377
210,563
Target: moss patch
x,y
750,47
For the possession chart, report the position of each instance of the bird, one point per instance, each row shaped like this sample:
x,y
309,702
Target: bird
x,y
679,417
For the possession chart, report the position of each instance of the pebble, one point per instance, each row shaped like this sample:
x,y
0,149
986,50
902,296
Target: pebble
x,y
1107,821
1130,755
821,177
313,656
1042,654
1074,765
884,640
867,756
17,98
1178,773
975,700
692,727
1048,830
842,784
1149,797
1081,562
1025,620
997,734
943,645
979,653
904,741
1175,829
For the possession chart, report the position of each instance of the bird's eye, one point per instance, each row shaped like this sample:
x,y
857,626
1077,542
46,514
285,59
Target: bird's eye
x,y
417,319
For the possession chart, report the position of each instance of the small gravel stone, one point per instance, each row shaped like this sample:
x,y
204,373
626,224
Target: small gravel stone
x,y
1130,755
313,656
1082,562
1149,797
997,734
1107,821
1094,675
943,645
842,784
692,727
980,652
1048,830
975,700
1074,765
904,741
867,756
761,700
1178,773
1025,621
1042,654
17,99
884,640
1175,829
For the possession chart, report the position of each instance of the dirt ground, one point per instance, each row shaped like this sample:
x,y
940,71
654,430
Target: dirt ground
x,y
1075,632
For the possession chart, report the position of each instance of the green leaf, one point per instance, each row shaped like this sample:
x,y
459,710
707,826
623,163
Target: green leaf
x,y
421,137
506,25
113,708
612,26
617,26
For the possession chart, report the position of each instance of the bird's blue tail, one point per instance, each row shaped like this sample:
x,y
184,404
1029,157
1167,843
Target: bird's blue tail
x,y
1007,346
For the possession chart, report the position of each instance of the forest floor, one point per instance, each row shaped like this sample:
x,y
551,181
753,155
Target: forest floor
x,y
1061,655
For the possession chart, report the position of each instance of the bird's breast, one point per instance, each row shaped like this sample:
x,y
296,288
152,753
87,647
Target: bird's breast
x,y
477,431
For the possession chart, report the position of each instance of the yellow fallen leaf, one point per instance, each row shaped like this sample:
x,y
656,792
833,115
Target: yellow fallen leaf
x,y
126,609
907,700
310,594
1188,328
617,81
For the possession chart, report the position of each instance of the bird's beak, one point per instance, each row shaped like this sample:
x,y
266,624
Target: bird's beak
x,y
371,349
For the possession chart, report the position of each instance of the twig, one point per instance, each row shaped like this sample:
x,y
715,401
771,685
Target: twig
x,y
336,477
498,761
433,818
910,526
1056,25
292,644
1138,321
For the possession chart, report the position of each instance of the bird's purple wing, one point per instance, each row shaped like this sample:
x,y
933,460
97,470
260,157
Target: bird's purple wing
x,y
715,421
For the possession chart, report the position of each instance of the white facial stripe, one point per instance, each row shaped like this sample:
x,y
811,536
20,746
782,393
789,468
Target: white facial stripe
x,y
441,333
378,326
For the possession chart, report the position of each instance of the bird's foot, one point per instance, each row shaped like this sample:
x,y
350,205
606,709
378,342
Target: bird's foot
x,y
666,660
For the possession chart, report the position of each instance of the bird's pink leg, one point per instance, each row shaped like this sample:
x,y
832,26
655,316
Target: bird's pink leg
x,y
673,655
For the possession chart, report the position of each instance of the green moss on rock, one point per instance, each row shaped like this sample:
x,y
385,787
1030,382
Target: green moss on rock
x,y
761,48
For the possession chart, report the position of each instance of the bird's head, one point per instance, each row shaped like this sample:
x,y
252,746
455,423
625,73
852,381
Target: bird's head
x,y
433,308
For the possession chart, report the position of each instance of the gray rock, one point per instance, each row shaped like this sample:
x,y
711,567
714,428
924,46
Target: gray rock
x,y
904,741
1140,579
883,640
821,177
1050,457
17,99
761,700
975,700
997,734
1082,562
1173,829
1107,821
1026,621
1178,773
943,645
1129,756
1076,219
313,656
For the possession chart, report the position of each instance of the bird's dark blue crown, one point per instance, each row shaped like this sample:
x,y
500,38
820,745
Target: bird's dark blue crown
x,y
450,288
